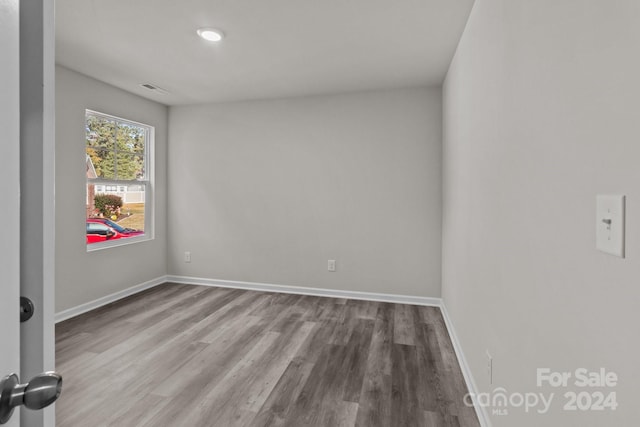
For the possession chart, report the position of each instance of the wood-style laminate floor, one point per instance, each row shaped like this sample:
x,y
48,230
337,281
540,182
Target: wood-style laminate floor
x,y
182,355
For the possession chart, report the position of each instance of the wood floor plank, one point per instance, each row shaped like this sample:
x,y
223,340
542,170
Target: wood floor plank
x,y
429,388
224,399
230,344
405,406
404,325
375,399
195,356
356,359
244,390
321,389
276,408
138,413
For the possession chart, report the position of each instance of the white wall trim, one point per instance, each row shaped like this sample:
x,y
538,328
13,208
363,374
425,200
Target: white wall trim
x,y
300,290
92,305
481,411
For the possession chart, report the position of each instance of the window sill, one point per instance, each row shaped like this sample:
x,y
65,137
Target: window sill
x,y
92,247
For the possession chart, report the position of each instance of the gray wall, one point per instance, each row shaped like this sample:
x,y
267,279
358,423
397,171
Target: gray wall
x,y
541,114
83,276
268,191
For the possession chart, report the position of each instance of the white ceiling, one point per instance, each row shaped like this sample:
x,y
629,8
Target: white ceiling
x,y
273,48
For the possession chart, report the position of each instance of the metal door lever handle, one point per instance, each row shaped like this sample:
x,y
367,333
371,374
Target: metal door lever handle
x,y
40,392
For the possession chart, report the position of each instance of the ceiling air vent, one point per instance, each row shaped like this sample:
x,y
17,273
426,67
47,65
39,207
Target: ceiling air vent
x,y
154,88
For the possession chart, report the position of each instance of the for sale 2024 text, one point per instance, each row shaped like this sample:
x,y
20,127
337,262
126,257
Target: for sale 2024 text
x,y
593,395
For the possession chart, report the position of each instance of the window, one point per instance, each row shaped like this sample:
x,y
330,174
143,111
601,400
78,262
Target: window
x,y
119,180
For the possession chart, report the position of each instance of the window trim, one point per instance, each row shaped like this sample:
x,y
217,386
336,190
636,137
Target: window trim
x,y
148,183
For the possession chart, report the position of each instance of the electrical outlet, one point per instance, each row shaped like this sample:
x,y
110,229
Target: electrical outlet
x,y
187,256
331,265
489,366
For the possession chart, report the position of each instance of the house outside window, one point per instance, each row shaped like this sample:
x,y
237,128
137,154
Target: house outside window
x,y
119,177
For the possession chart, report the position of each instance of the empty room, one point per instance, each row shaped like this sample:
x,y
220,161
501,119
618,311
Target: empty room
x,y
338,213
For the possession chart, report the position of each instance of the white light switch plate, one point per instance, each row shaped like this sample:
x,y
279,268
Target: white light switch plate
x,y
610,224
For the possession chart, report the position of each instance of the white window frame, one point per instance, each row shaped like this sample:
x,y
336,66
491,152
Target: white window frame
x,y
148,183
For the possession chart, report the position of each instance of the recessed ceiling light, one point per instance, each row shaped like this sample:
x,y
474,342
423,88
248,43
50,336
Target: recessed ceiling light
x,y
211,34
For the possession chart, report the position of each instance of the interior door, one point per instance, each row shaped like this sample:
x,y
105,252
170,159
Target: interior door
x,y
26,213
37,207
10,179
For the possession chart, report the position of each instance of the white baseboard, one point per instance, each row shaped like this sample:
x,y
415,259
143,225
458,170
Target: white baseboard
x,y
300,290
481,411
92,305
